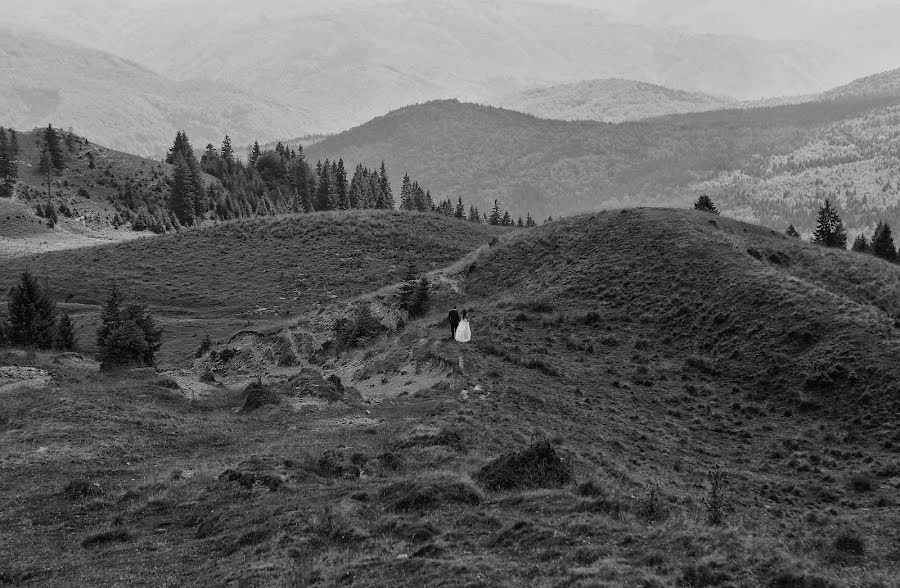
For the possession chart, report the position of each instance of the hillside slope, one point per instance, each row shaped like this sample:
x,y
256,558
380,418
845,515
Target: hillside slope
x,y
261,268
124,105
744,158
609,100
722,401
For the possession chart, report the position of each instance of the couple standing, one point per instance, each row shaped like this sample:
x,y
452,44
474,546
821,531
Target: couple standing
x,y
459,325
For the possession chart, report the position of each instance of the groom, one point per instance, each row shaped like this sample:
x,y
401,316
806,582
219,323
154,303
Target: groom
x,y
453,317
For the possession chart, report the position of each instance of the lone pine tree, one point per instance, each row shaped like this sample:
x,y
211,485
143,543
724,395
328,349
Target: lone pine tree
x,y
830,230
704,203
883,242
128,335
32,314
792,232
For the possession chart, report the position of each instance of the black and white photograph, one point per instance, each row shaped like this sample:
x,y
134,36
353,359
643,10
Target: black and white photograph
x,y
450,293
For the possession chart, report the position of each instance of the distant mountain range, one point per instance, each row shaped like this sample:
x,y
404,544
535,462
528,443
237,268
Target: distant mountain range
x,y
344,64
610,100
770,165
123,105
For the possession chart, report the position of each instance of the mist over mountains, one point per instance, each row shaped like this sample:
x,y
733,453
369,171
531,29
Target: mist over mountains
x,y
330,68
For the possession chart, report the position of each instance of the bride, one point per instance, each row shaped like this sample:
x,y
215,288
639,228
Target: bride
x,y
463,331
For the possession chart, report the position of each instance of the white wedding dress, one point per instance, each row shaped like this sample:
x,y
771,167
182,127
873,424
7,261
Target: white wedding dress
x,y
463,332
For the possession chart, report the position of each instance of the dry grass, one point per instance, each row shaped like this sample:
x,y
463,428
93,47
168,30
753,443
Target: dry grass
x,y
211,495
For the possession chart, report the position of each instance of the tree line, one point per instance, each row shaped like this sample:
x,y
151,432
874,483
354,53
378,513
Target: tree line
x,y
128,335
9,165
830,231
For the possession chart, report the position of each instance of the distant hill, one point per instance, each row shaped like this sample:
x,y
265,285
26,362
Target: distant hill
x,y
94,194
348,62
124,105
881,84
769,165
610,100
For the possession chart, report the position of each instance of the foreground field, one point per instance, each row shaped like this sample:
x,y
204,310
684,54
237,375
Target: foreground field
x,y
725,397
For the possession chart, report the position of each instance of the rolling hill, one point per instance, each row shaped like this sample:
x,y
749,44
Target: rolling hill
x,y
383,55
771,165
626,414
124,105
261,268
609,100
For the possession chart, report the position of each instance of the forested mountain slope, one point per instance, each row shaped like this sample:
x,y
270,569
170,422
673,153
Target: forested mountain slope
x,y
745,158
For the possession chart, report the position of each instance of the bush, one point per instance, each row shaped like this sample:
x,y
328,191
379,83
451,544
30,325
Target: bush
x,y
537,466
431,492
257,395
862,482
715,498
360,326
64,335
205,344
124,347
850,542
32,314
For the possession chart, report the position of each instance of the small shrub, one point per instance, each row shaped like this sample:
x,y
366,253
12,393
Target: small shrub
x,y
540,305
257,395
430,492
705,204
591,488
537,466
105,537
227,354
205,344
862,482
79,489
284,352
850,542
362,325
715,498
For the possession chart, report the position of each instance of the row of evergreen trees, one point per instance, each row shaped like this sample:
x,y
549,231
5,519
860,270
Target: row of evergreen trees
x,y
830,232
9,165
128,335
281,180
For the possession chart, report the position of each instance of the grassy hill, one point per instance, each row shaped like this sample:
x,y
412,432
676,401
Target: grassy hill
x,y
91,195
124,105
239,272
609,100
656,351
745,158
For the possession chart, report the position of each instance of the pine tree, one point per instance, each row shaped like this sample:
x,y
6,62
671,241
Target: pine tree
x,y
13,144
529,221
705,204
460,209
883,242
64,335
387,193
54,149
324,191
829,228
860,244
507,220
792,232
6,165
227,152
406,194
495,218
519,223
32,314
181,196
254,154
474,216
128,334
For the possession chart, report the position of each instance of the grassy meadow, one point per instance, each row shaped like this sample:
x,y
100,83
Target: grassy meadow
x,y
651,398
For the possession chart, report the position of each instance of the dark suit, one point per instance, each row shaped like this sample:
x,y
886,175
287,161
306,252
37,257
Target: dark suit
x,y
453,317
